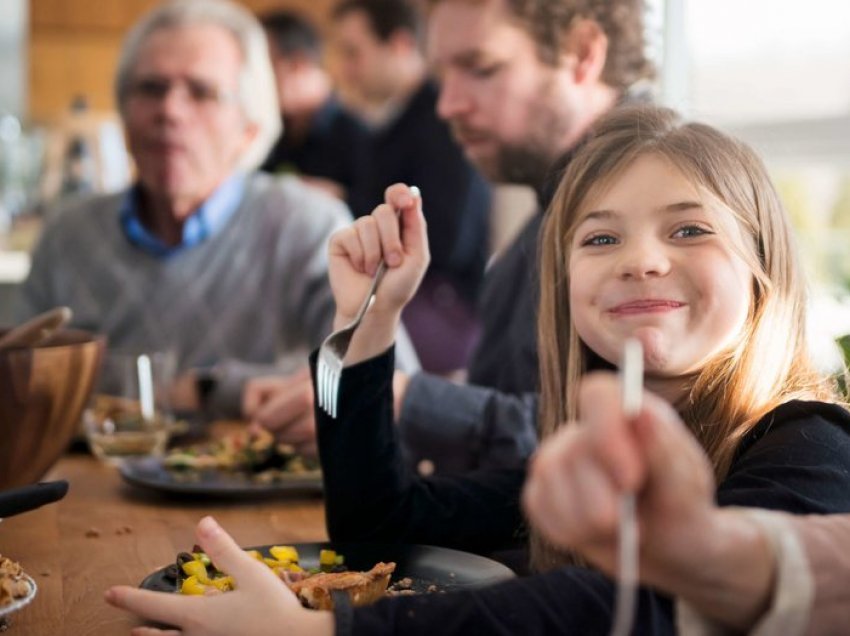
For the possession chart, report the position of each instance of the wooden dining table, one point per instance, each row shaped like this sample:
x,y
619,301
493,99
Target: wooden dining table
x,y
106,532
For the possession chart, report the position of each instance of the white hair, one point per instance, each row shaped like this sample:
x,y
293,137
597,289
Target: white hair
x,y
257,93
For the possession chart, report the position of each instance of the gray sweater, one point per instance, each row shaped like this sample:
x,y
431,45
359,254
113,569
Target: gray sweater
x,y
251,299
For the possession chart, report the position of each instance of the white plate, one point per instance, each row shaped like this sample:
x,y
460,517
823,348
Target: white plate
x,y
19,603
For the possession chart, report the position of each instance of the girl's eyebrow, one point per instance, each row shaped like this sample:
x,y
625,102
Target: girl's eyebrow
x,y
600,215
679,206
682,206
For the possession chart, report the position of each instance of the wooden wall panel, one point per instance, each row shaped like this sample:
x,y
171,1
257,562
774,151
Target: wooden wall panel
x,y
64,66
79,15
74,45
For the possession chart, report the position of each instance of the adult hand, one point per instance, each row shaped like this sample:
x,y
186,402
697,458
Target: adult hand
x,y
395,233
283,405
261,604
578,476
183,394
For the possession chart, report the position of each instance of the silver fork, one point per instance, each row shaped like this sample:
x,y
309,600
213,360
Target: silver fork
x,y
333,350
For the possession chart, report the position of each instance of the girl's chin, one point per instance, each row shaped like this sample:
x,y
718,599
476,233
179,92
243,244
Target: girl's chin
x,y
655,346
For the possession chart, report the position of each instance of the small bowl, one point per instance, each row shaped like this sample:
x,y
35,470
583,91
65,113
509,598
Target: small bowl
x,y
43,391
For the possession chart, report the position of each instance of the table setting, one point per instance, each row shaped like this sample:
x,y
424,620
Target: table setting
x,y
126,481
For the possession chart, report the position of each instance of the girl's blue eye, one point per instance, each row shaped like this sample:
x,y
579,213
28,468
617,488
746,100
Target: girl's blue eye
x,y
688,231
600,239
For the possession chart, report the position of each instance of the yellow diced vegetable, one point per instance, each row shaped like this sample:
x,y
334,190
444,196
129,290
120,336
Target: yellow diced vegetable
x,y
202,557
284,553
225,583
196,569
327,557
256,554
192,586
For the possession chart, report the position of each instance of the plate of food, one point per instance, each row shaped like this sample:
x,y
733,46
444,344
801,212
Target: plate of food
x,y
318,572
17,589
236,465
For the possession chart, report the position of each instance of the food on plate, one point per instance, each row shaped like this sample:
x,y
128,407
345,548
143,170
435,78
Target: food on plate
x,y
195,574
13,584
253,452
363,588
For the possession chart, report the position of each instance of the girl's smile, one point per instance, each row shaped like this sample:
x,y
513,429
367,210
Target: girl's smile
x,y
643,306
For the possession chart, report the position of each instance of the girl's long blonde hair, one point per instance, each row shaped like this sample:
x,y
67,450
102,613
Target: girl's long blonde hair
x,y
769,362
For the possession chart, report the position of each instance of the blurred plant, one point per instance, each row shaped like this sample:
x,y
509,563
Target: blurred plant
x,y
793,189
811,230
841,228
841,222
844,345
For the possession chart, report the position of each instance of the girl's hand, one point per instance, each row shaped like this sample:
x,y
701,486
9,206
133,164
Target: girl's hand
x,y
578,476
260,605
395,233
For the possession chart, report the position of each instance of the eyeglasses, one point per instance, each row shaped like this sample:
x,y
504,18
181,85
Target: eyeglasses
x,y
199,92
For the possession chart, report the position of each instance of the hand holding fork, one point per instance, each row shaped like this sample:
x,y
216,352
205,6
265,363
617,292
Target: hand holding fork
x,y
388,248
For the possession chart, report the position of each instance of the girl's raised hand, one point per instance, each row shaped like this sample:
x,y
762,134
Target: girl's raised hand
x,y
395,233
578,476
261,604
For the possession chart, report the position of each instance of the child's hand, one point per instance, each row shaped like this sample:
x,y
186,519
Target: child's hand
x,y
578,476
261,604
395,233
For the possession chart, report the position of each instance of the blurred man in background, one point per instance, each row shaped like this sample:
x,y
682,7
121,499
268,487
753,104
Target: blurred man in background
x,y
322,142
379,57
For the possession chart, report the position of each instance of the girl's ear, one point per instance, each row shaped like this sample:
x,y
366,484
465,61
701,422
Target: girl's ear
x,y
586,51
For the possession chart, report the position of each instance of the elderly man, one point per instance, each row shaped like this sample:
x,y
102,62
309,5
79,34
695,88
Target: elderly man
x,y
202,256
520,85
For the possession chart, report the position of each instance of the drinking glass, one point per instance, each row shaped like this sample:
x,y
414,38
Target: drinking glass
x,y
130,413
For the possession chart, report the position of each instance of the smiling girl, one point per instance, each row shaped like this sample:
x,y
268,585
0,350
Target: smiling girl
x,y
667,232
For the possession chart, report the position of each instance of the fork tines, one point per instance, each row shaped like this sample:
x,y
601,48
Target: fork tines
x,y
328,373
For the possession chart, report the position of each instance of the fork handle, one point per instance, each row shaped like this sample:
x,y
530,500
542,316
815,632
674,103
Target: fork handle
x,y
370,297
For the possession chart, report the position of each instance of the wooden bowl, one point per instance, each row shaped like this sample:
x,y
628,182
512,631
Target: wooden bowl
x,y
43,392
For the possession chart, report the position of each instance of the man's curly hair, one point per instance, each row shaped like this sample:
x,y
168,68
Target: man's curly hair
x,y
548,22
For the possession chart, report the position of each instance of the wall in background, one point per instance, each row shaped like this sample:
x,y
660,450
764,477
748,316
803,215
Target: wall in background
x,y
74,44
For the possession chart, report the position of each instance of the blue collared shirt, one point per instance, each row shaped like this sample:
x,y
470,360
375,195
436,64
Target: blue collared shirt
x,y
207,220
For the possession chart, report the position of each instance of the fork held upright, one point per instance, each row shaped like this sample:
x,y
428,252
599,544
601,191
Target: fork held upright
x,y
332,352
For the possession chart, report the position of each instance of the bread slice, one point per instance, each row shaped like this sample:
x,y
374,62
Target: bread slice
x,y
363,588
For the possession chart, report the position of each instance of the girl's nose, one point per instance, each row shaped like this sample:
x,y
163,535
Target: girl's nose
x,y
644,259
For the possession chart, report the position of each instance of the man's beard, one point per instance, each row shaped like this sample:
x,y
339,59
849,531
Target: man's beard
x,y
529,161
526,164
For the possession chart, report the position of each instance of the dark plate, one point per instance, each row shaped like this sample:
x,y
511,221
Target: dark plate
x,y
150,473
427,565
